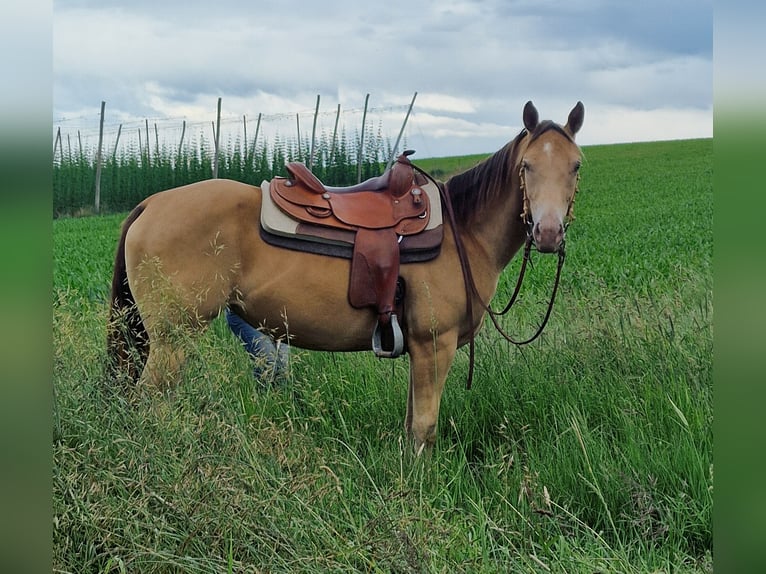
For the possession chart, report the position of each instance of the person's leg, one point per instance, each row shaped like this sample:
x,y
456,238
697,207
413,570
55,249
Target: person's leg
x,y
283,360
270,358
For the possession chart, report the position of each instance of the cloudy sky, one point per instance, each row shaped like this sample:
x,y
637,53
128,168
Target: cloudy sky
x,y
644,70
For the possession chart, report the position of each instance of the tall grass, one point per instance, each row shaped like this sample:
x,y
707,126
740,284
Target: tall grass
x,y
588,451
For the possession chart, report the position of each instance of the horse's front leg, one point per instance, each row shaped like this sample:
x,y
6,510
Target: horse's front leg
x,y
430,361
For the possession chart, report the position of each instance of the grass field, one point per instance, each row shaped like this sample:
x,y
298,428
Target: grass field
x,y
587,451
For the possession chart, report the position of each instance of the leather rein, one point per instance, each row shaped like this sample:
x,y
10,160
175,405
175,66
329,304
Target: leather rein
x,y
470,285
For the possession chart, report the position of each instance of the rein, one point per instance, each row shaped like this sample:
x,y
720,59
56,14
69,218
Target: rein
x,y
465,268
527,249
470,285
494,314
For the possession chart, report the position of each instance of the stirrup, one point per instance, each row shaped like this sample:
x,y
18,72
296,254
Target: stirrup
x,y
377,346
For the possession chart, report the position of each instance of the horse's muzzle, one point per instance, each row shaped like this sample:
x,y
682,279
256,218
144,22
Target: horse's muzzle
x,y
548,237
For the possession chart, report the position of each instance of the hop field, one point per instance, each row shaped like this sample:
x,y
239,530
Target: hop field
x,y
130,173
587,451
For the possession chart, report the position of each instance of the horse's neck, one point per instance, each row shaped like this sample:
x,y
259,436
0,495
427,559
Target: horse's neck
x,y
498,233
495,232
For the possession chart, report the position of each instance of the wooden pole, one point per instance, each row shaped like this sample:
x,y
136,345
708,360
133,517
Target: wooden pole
x,y
257,129
181,143
215,150
57,143
244,139
217,129
334,135
313,136
98,159
148,148
361,143
298,124
116,143
401,131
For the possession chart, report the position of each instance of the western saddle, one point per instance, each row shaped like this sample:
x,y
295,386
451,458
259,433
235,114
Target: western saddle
x,y
380,211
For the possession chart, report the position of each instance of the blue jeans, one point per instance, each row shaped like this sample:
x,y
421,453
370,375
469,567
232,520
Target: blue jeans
x,y
271,358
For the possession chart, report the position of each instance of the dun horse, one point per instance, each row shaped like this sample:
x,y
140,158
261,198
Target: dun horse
x,y
186,253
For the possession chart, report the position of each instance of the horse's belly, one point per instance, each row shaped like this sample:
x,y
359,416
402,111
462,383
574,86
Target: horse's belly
x,y
314,325
305,298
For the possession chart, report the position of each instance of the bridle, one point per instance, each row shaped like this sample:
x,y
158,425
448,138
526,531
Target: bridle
x,y
468,280
528,243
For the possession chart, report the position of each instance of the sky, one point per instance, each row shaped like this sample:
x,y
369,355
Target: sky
x,y
644,70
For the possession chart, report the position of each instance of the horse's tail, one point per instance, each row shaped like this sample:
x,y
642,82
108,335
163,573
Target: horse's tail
x,y
127,340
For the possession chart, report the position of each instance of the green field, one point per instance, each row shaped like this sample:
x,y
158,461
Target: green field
x,y
587,451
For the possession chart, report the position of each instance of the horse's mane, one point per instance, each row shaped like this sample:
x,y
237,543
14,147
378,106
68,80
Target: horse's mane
x,y
480,185
473,189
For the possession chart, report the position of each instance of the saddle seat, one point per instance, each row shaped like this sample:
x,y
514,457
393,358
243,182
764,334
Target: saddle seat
x,y
380,211
304,176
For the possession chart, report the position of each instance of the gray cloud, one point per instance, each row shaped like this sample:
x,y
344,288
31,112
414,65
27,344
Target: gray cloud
x,y
473,63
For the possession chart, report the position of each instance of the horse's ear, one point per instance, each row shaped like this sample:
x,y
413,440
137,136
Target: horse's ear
x,y
531,117
576,118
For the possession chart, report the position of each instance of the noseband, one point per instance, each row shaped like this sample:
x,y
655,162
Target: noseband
x,y
526,217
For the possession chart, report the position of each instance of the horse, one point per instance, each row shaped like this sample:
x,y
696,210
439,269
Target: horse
x,y
186,253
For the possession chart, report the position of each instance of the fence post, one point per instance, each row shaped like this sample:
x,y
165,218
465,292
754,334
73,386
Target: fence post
x,y
116,143
313,136
255,137
217,130
361,143
401,131
57,143
148,147
244,140
181,144
298,125
334,136
98,159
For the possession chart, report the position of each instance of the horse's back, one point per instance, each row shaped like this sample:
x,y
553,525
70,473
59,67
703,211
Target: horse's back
x,y
203,199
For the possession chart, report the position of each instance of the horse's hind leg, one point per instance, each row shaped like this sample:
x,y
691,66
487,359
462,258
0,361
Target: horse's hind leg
x,y
173,324
171,317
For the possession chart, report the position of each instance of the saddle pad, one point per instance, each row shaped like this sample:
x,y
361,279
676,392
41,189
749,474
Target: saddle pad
x,y
278,228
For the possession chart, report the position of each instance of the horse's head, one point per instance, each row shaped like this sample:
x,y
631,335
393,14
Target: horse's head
x,y
549,167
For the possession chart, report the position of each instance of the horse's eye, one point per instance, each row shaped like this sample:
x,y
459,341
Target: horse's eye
x,y
576,167
525,166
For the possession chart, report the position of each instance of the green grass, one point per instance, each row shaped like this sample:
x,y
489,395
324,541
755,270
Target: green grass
x,y
587,451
